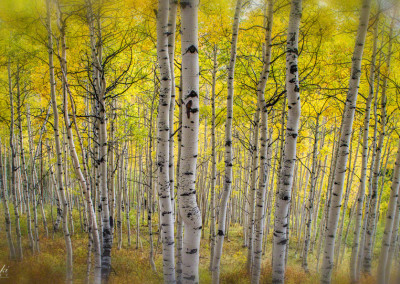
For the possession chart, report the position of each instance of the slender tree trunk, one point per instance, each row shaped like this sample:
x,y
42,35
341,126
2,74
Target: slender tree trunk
x,y
370,232
311,194
347,126
14,170
265,162
228,149
213,159
60,183
163,140
289,158
7,218
383,276
188,207
23,168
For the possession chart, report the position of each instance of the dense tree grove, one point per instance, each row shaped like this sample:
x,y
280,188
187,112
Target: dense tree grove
x,y
187,141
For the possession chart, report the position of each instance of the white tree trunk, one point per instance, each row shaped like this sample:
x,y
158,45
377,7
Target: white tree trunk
x,y
311,194
60,184
82,178
395,184
7,219
173,6
389,224
188,207
289,157
347,126
264,148
370,230
163,137
228,148
213,160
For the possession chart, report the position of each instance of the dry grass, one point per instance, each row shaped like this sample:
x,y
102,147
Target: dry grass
x,y
131,265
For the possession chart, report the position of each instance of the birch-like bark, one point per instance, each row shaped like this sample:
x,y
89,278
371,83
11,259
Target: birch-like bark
x,y
213,159
99,84
383,276
60,184
387,235
228,148
81,175
34,178
23,169
289,156
342,156
163,137
350,178
264,148
188,207
364,163
179,222
14,169
311,194
252,192
370,232
7,219
173,6
393,242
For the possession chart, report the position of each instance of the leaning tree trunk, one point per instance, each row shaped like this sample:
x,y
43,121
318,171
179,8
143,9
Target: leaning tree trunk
x,y
370,230
60,183
390,217
188,207
14,170
311,194
23,169
289,157
228,149
264,148
346,130
213,160
163,133
394,191
7,219
82,178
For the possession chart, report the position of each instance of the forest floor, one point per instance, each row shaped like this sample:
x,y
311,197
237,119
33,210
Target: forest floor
x,y
131,265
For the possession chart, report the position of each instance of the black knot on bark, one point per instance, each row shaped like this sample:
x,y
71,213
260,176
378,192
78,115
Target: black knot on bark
x,y
293,69
192,251
220,233
283,242
191,49
192,94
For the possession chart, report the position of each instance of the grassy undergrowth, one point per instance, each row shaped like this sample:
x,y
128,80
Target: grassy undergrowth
x,y
131,265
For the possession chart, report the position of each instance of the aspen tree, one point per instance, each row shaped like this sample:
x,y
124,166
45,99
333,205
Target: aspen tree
x,y
395,183
213,159
23,167
173,6
264,148
217,253
311,195
163,144
81,175
383,276
289,155
7,218
370,232
188,207
342,155
14,169
60,184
